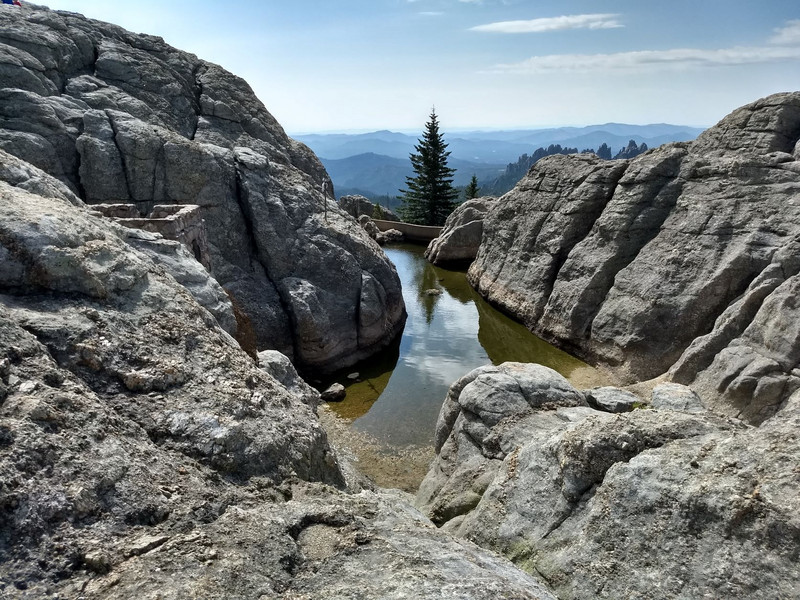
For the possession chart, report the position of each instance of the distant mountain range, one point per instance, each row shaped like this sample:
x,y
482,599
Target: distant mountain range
x,y
377,163
372,173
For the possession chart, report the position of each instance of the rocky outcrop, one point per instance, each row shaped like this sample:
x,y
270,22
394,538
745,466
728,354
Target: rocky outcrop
x,y
681,258
125,118
660,503
461,235
170,255
355,206
143,454
306,541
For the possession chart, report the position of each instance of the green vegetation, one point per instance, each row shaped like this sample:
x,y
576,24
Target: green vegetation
x,y
472,190
429,196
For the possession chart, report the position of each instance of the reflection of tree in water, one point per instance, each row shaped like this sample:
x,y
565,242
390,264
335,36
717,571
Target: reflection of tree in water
x,y
428,277
456,284
506,340
425,278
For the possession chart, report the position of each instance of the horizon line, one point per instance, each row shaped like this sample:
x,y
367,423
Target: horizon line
x,y
478,129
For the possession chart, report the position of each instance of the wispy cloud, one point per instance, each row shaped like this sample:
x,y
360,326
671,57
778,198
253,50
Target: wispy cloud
x,y
788,35
594,21
432,13
650,59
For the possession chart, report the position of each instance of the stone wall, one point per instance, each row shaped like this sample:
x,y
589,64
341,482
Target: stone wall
x,y
180,222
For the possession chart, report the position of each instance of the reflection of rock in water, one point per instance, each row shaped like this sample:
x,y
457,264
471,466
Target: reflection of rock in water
x,y
506,340
456,284
374,377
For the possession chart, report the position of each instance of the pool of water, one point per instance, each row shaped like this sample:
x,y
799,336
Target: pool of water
x,y
398,394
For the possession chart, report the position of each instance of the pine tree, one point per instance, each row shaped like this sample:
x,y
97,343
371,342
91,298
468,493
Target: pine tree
x,y
429,196
472,190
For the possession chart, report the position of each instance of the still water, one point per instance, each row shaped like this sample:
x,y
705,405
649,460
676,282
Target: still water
x,y
398,394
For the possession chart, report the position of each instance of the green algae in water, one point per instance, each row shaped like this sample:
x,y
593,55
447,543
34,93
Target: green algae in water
x,y
399,393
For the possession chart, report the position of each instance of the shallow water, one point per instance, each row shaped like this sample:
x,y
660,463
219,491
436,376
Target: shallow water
x,y
399,393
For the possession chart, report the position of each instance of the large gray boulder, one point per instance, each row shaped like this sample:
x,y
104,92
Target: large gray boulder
x,y
125,118
461,235
143,454
650,504
683,257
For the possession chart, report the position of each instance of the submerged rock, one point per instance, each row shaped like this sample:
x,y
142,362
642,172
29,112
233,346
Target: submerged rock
x,y
647,504
334,393
683,258
124,118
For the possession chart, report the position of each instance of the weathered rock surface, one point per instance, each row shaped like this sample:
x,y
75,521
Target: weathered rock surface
x,y
315,543
125,118
646,504
611,399
684,257
281,368
143,454
355,206
169,255
461,235
393,236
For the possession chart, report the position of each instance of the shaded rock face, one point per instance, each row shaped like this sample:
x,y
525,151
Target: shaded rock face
x,y
125,118
653,503
355,206
461,235
683,257
143,454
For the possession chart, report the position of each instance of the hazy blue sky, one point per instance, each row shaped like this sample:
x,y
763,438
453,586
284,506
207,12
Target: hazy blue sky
x,y
336,65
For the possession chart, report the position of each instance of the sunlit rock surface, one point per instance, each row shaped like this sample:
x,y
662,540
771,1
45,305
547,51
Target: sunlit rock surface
x,y
670,502
684,258
124,118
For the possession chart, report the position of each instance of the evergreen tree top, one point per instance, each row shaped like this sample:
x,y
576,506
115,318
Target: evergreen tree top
x,y
430,195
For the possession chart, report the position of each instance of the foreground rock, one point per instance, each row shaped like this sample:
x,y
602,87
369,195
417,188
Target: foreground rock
x,y
461,235
646,504
143,454
125,118
682,258
320,545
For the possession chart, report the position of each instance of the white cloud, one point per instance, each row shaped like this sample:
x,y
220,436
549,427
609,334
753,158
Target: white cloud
x,y
788,35
432,13
651,59
595,21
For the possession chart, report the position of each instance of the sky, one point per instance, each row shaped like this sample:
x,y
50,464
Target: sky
x,y
363,65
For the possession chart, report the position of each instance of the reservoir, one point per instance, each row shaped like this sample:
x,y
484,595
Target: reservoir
x,y
395,399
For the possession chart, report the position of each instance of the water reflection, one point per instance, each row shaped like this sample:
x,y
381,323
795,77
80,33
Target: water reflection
x,y
398,396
